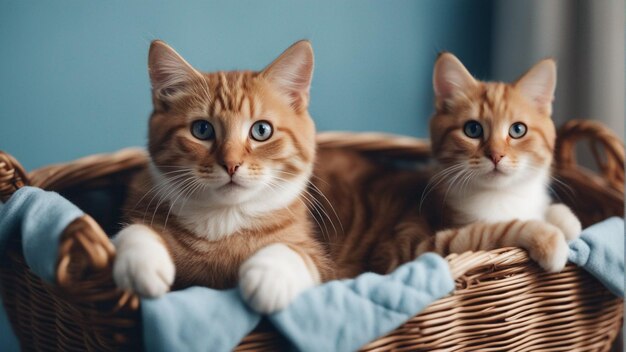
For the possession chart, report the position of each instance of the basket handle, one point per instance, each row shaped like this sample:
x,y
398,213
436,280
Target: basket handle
x,y
84,249
12,176
602,141
85,266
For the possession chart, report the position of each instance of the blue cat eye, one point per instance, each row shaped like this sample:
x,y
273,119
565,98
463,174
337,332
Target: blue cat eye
x,y
473,129
517,130
261,131
203,130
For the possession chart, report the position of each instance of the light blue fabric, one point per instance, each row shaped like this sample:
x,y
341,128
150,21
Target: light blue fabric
x,y
201,319
196,319
600,251
40,217
345,315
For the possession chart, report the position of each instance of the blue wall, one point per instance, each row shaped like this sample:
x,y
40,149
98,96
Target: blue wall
x,y
73,77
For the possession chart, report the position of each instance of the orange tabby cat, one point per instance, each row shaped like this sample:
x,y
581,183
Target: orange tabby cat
x,y
221,202
494,144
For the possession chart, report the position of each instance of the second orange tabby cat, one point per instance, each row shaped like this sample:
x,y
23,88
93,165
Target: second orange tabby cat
x,y
494,144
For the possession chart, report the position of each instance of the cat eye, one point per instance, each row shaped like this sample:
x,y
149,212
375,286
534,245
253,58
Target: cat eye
x,y
517,130
203,130
261,131
473,129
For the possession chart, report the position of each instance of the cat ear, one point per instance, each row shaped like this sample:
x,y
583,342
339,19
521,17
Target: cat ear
x,y
170,74
450,77
291,74
538,85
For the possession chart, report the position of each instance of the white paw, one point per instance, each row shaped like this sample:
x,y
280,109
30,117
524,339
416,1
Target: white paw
x,y
546,245
142,263
562,217
273,277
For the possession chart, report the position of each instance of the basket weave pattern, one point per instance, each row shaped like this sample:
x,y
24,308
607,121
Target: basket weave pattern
x,y
502,301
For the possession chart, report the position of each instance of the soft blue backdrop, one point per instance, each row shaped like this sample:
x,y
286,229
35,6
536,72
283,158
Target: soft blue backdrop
x,y
73,77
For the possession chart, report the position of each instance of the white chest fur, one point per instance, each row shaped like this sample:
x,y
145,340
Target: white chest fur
x,y
527,201
214,223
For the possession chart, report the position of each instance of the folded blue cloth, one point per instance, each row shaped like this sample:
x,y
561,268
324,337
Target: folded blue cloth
x,y
193,319
600,251
337,316
40,217
196,319
344,315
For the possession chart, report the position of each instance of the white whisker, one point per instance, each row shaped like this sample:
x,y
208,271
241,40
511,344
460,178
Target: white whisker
x,y
318,191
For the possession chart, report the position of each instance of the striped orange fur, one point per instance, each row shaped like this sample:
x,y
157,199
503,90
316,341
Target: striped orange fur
x,y
217,193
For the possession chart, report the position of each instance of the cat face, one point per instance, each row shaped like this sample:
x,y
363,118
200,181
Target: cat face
x,y
492,134
227,138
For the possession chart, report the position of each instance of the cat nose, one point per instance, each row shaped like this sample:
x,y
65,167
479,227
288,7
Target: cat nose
x,y
495,157
231,167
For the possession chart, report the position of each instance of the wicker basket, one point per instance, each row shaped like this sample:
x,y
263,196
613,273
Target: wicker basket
x,y
502,302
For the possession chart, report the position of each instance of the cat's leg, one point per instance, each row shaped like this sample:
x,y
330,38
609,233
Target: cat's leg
x,y
544,242
272,277
142,262
561,216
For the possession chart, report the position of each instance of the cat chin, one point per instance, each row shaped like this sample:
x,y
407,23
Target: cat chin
x,y
251,195
213,215
499,180
227,195
233,192
494,182
502,180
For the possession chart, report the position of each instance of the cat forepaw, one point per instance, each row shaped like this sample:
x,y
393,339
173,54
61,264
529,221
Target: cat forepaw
x,y
562,217
546,245
273,277
142,263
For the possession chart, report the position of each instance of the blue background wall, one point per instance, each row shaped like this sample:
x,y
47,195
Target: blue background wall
x,y
73,78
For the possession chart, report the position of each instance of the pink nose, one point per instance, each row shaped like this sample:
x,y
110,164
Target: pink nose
x,y
495,157
231,168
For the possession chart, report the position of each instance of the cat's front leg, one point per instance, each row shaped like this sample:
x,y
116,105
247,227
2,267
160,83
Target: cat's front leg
x,y
142,262
562,217
544,242
274,276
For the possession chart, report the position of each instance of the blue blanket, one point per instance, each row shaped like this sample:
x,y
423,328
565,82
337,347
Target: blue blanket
x,y
192,319
337,316
40,217
600,250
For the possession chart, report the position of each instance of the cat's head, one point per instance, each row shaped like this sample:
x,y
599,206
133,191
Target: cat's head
x,y
235,137
493,134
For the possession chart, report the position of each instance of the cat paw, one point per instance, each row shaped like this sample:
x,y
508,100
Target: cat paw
x,y
546,245
142,263
273,277
562,217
